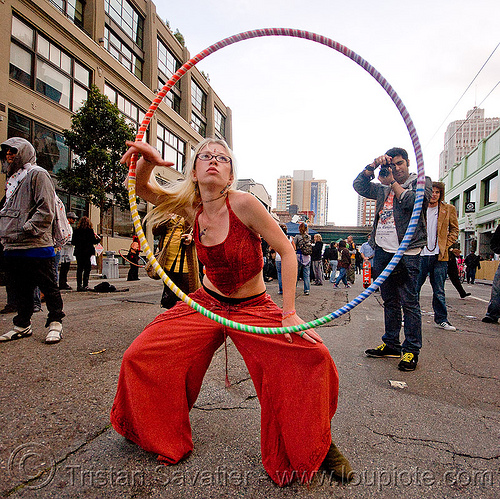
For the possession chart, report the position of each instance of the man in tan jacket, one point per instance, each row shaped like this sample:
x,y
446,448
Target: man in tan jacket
x,y
442,232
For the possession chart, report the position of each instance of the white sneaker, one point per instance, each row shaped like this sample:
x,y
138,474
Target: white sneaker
x,y
446,326
17,333
55,332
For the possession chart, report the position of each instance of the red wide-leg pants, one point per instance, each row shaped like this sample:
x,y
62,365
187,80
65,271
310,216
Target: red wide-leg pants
x,y
162,372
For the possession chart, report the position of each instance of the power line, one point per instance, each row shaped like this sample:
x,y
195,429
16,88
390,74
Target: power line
x,y
465,91
470,116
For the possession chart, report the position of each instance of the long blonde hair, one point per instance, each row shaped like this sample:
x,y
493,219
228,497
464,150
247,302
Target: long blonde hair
x,y
185,193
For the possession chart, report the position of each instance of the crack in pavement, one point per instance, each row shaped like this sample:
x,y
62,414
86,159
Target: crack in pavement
x,y
206,406
469,374
427,443
324,309
24,484
239,407
137,301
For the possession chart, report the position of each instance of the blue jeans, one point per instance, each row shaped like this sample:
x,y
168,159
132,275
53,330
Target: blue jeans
x,y
306,273
436,270
278,271
494,305
398,291
333,265
342,276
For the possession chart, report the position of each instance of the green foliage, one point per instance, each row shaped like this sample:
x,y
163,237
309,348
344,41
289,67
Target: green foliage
x,y
180,37
97,137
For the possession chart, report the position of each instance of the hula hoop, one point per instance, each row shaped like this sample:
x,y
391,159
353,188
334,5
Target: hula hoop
x,y
132,263
409,125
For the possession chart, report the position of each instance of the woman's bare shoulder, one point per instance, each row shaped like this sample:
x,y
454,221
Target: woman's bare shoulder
x,y
242,200
251,211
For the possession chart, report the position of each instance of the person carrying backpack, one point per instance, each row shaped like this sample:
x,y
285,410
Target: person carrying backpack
x,y
304,248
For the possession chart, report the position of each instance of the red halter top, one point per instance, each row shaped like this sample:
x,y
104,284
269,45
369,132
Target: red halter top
x,y
236,260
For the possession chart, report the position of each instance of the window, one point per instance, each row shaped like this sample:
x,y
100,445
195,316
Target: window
x,y
490,190
21,65
470,195
119,223
168,64
51,151
198,125
122,53
470,200
171,147
199,103
133,115
172,99
51,83
456,203
76,204
129,20
198,98
131,24
72,8
40,64
220,123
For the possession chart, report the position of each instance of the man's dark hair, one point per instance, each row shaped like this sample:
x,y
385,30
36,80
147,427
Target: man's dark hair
x,y
440,187
397,151
342,244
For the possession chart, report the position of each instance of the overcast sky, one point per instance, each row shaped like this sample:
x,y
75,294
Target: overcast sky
x,y
298,105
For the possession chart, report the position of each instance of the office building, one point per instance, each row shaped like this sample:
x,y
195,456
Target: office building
x,y
308,194
462,136
54,51
366,211
284,193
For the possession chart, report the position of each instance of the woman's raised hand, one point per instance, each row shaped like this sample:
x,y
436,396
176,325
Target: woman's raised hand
x,y
149,154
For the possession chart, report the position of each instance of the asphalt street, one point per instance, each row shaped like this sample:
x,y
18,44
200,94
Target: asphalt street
x,y
436,437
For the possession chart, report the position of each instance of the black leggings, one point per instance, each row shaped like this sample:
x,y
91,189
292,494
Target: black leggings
x,y
83,268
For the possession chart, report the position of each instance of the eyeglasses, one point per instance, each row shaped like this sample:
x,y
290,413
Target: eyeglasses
x,y
208,157
11,151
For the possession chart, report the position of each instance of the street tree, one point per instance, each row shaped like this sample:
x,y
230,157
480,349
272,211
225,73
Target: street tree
x,y
97,138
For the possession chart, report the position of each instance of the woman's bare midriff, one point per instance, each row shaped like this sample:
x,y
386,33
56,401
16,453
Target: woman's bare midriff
x,y
252,287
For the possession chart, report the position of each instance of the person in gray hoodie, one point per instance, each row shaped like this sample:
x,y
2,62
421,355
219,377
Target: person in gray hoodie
x,y
26,228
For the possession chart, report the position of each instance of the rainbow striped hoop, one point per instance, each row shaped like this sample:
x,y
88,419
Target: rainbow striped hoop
x,y
409,125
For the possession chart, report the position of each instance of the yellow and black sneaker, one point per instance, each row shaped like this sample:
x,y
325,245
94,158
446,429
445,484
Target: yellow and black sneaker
x,y
408,362
383,351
